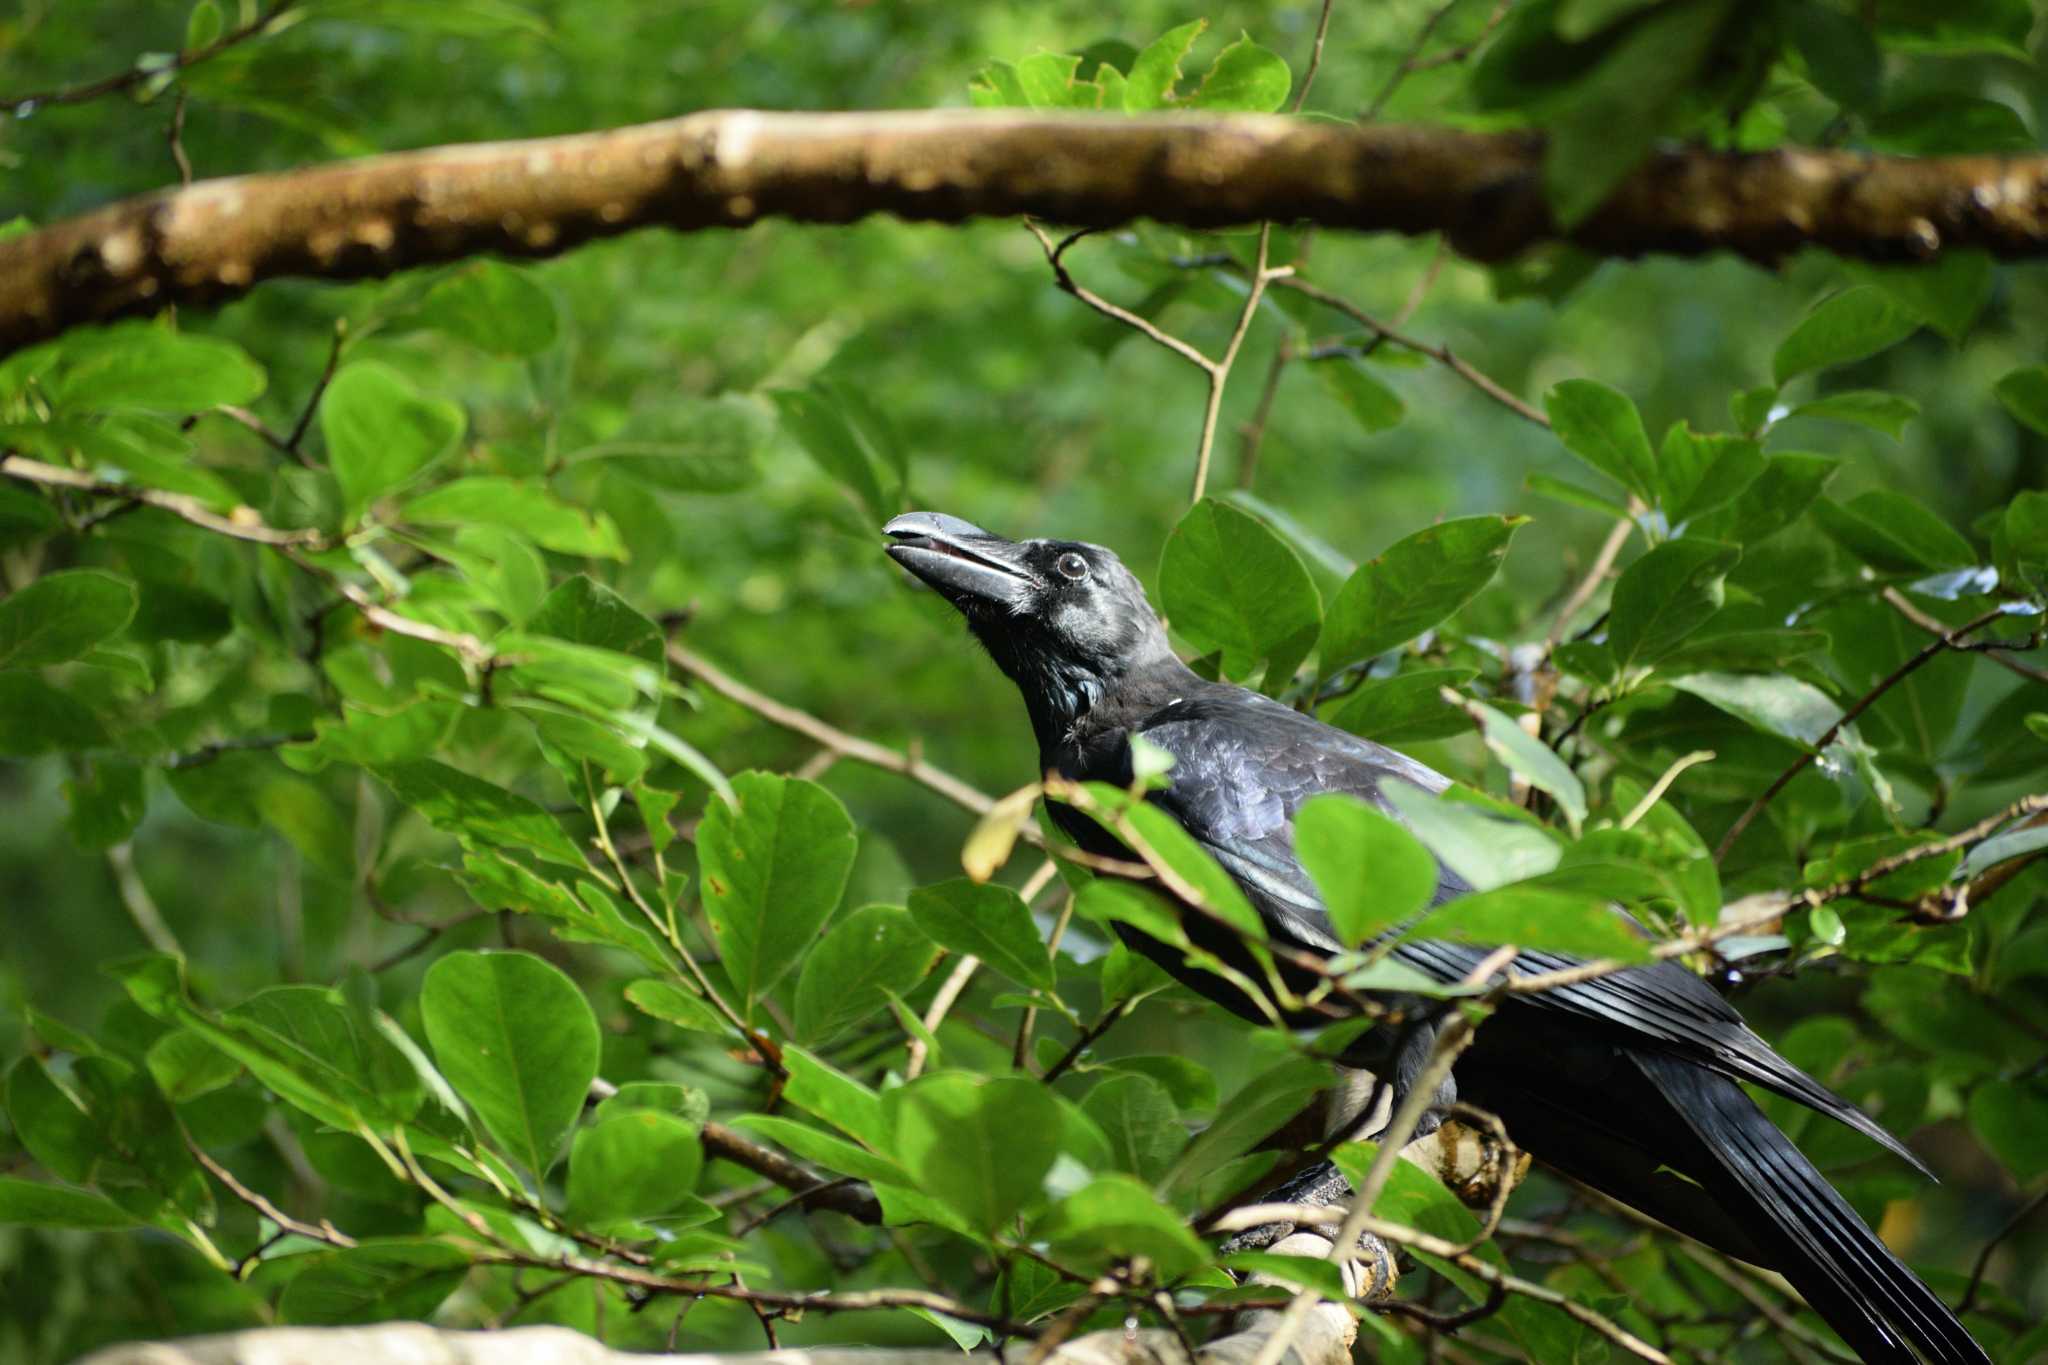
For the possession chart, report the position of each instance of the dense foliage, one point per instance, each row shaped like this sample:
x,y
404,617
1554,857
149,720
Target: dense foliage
x,y
441,715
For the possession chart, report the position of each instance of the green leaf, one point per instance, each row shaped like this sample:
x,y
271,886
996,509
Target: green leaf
x,y
1372,873
1047,79
186,1066
1779,705
1115,1217
1571,495
817,1088
1780,496
1612,117
2011,1118
1840,53
1244,78
1956,26
1601,426
1873,408
37,719
381,432
1156,71
327,1045
870,955
202,26
816,1145
480,812
987,921
1529,917
517,1040
1665,596
1404,708
24,516
979,1146
2025,394
494,306
27,1203
774,861
1275,1094
818,420
1417,583
1140,1120
1229,583
143,365
689,445
637,1164
1699,473
107,804
1893,533
1946,293
1533,761
1372,404
1853,324
670,1003
384,1281
517,505
61,616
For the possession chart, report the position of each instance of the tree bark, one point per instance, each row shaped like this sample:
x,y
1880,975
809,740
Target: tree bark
x,y
216,239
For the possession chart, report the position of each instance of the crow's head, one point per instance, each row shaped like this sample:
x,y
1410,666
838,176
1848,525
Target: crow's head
x,y
1061,617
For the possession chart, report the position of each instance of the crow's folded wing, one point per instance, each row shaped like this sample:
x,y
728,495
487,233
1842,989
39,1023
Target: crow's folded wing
x,y
1243,765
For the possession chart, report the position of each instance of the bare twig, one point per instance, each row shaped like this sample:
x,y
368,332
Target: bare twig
x,y
1055,254
1900,603
855,1199
299,428
323,1231
1440,353
2011,1225
838,741
1945,640
177,139
1315,57
140,904
1610,550
1219,370
241,524
1408,60
1086,1040
942,1001
141,72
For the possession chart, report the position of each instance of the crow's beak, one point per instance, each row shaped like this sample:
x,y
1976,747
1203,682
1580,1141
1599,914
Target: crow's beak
x,y
966,565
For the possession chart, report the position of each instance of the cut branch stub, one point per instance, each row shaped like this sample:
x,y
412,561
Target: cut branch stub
x,y
216,239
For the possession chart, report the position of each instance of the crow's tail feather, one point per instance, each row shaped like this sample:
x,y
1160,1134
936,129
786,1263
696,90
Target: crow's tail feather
x,y
1810,1233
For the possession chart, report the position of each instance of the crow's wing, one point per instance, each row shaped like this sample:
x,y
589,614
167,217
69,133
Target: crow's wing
x,y
1244,764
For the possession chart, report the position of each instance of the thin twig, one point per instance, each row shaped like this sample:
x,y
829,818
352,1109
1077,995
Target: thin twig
x,y
1408,60
323,1231
1442,354
1064,278
838,741
1315,57
299,428
942,1001
1466,49
140,904
2012,1225
856,1200
1219,370
241,524
140,73
177,139
1904,606
1610,550
1941,642
1087,1038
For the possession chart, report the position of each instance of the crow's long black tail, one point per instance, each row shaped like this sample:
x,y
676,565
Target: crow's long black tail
x,y
1807,1232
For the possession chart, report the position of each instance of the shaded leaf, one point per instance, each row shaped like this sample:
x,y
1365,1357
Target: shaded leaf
x,y
1417,583
986,921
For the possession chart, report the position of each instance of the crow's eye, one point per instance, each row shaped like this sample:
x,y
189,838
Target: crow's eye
x,y
1072,566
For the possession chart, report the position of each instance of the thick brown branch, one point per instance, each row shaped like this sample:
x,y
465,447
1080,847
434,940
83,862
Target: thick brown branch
x,y
214,240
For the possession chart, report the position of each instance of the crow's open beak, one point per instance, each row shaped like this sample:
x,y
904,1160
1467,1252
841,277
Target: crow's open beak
x,y
966,565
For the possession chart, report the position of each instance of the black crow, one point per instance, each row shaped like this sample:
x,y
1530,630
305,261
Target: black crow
x,y
1628,1083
